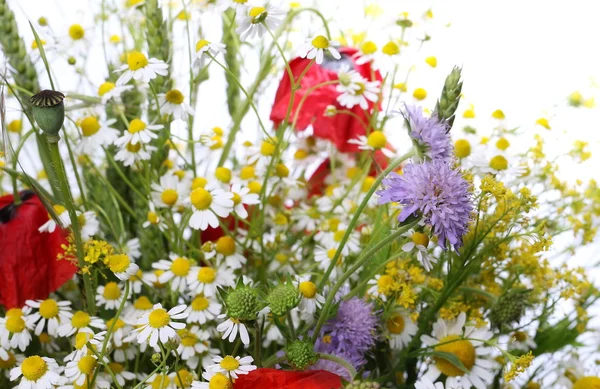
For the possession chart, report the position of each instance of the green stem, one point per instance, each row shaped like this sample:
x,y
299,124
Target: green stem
x,y
339,361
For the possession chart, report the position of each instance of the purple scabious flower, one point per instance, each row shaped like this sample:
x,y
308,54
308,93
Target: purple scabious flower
x,y
429,134
436,192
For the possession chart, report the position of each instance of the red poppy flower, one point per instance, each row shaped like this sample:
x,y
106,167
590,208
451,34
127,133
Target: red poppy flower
x,y
282,379
337,129
28,265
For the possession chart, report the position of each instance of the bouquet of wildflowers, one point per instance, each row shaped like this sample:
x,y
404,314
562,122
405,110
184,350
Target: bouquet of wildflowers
x,y
326,229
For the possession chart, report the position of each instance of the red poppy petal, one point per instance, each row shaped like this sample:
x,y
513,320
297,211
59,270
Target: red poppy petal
x,y
282,379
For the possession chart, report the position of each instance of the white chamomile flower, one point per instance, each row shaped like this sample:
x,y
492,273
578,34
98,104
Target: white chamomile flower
x,y
208,203
358,92
77,372
230,329
467,346
51,311
109,296
213,380
9,360
169,191
193,342
138,132
109,90
375,141
140,68
133,248
241,197
419,242
226,249
176,270
140,306
37,373
82,338
366,53
160,324
233,367
425,383
203,309
14,332
238,5
63,218
96,133
121,374
255,21
380,286
89,224
162,381
204,48
48,343
400,329
315,49
153,218
323,258
129,153
205,279
310,299
122,266
332,239
80,321
172,103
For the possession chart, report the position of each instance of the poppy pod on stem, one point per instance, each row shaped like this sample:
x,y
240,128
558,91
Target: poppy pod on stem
x,y
338,129
282,379
29,268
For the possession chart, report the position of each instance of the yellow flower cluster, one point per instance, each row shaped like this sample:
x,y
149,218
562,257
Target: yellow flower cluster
x,y
519,366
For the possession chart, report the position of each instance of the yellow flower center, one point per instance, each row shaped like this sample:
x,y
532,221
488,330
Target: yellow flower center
x,y
136,125
391,48
162,381
369,47
49,309
159,318
339,234
219,381
169,197
367,184
199,182
267,148
320,42
327,339
498,114
419,93
331,253
15,324
395,324
236,199
385,282
502,143
255,187
116,368
183,379
247,172
462,148
15,126
282,171
520,336
136,60
76,32
420,239
114,39
87,364
133,148
499,163
44,338
589,382
225,246
201,198
543,122
105,88
180,267
201,43
377,140
14,312
80,319
174,96
81,339
308,289
200,303
300,154
217,142
34,368
188,339
118,263
143,303
152,217
8,363
207,275
223,174
462,349
118,325
431,61
257,14
111,291
229,363
469,113
59,209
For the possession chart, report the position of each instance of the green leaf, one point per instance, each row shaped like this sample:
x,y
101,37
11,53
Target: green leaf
x,y
42,54
452,358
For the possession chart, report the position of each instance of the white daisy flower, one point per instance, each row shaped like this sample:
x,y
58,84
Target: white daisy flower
x,y
109,90
205,279
332,239
194,342
354,89
203,48
14,332
153,218
366,53
82,338
521,340
203,309
48,343
76,372
172,103
233,367
129,153
125,352
63,218
120,373
51,311
140,306
138,132
133,248
140,68
400,329
226,249
254,21
37,373
121,266
380,286
109,296
9,360
161,381
169,191
176,270
323,258
419,242
88,221
425,383
96,133
449,337
315,49
375,141
310,299
241,197
80,321
230,329
213,380
207,204
159,324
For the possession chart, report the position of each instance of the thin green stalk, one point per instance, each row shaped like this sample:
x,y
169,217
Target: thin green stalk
x,y
339,361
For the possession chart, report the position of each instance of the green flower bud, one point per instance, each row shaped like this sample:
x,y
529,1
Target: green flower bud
x,y
282,299
448,102
509,308
71,60
48,111
357,384
300,354
156,358
242,304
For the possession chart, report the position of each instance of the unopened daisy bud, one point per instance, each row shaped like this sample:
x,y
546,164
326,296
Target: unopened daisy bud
x,y
498,114
330,111
247,172
71,61
207,247
49,112
15,126
575,99
282,171
242,303
267,147
223,174
300,354
255,187
509,308
419,93
282,299
462,148
431,61
42,21
446,106
156,358
76,32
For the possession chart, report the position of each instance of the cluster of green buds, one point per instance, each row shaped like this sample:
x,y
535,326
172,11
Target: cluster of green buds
x,y
301,354
243,303
283,298
509,308
357,384
446,106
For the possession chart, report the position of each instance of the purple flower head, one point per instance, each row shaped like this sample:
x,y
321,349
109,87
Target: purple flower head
x,y
429,134
435,191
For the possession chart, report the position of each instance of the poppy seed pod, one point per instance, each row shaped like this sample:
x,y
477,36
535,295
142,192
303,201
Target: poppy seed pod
x,y
49,111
